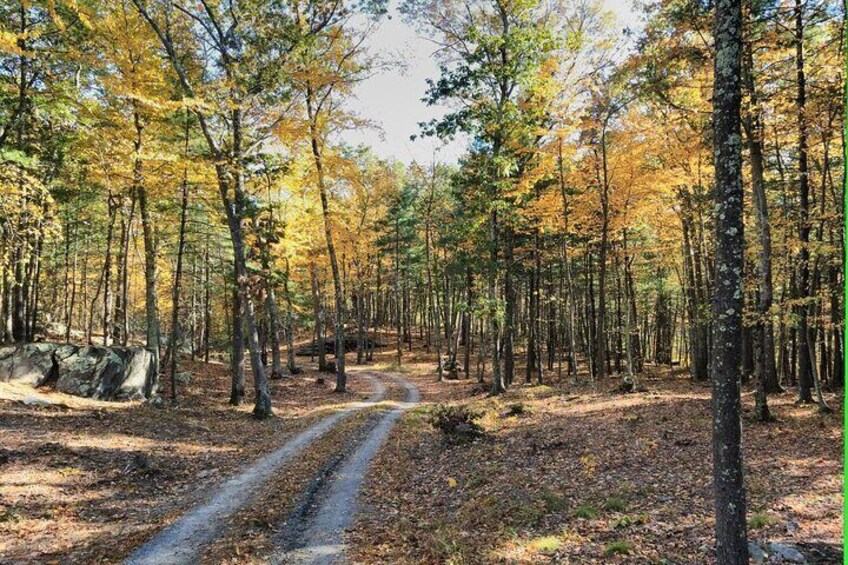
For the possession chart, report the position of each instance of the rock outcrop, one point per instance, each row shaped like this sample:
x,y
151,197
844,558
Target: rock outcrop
x,y
103,373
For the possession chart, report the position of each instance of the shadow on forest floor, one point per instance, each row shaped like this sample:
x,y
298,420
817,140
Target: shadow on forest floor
x,y
86,481
587,475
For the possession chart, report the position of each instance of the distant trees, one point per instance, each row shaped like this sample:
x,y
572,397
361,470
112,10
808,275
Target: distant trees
x,y
576,238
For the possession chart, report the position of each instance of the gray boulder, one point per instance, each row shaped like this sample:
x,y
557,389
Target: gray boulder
x,y
756,553
30,364
782,553
6,361
78,369
104,373
139,376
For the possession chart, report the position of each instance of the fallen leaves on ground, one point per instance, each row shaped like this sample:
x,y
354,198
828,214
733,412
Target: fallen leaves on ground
x,y
570,474
84,481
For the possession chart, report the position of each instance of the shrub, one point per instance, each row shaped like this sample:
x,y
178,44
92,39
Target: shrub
x,y
455,421
516,409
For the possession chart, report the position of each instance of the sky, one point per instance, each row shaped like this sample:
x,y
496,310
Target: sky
x,y
391,99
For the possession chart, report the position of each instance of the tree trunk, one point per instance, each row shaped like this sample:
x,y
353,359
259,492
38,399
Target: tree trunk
x,y
151,307
764,329
173,343
291,365
237,352
273,316
319,320
730,525
497,382
600,334
341,377
804,361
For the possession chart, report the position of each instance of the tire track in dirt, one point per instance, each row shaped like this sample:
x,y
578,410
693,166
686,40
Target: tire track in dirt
x,y
316,534
182,541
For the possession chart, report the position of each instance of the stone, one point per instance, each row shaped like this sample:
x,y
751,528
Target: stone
x,y
184,378
107,373
204,473
756,553
30,364
463,428
103,373
6,362
79,370
782,553
156,402
32,400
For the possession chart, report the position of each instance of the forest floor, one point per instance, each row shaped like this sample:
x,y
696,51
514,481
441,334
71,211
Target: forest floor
x,y
579,474
85,481
562,474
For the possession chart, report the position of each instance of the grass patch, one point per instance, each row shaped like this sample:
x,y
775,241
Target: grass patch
x,y
618,548
477,482
615,504
553,501
586,512
546,544
519,512
627,521
761,519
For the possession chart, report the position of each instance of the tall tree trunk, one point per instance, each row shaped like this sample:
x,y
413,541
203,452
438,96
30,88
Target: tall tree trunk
x,y
237,350
207,304
151,307
601,334
434,310
291,365
730,525
107,272
497,382
318,310
273,315
173,342
804,360
765,364
466,321
341,377
630,290
510,297
232,174
122,328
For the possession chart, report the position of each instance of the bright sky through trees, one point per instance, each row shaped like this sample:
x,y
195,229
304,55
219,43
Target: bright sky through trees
x,y
392,99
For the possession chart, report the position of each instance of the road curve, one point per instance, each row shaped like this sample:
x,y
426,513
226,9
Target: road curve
x,y
182,541
320,540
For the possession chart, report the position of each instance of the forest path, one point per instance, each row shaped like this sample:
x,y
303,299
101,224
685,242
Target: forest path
x,y
315,536
183,541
